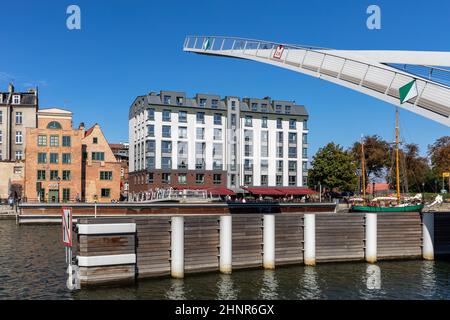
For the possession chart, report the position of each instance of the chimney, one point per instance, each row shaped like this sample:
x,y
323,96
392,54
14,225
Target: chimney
x,y
11,88
81,126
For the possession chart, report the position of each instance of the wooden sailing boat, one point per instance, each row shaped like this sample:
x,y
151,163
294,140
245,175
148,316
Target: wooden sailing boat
x,y
399,207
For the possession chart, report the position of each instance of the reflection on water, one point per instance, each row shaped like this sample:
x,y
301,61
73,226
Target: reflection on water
x,y
32,266
226,290
373,281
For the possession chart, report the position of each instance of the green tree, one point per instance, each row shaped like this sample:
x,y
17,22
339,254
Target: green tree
x,y
334,168
439,153
375,152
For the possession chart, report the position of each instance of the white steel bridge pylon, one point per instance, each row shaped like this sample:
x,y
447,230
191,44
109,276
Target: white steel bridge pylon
x,y
374,73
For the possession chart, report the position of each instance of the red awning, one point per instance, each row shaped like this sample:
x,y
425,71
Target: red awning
x,y
220,191
264,191
296,191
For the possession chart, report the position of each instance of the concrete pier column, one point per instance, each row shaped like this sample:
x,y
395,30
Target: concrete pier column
x,y
309,239
269,241
226,235
428,235
177,248
371,237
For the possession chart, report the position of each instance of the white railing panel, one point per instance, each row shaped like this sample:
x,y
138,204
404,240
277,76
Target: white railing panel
x,y
313,60
354,71
332,65
295,56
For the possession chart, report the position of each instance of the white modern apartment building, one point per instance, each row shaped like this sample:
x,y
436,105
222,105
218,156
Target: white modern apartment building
x,y
208,141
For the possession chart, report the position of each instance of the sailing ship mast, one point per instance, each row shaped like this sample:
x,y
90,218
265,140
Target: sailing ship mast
x,y
363,164
397,164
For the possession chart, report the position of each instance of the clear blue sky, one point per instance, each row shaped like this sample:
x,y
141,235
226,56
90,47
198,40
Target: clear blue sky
x,y
129,48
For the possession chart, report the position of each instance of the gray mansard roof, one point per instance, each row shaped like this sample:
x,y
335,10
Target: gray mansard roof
x,y
214,102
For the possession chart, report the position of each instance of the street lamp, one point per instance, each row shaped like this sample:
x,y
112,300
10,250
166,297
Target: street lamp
x,y
58,179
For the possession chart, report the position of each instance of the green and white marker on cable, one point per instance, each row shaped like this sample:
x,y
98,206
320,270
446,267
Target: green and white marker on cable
x,y
408,92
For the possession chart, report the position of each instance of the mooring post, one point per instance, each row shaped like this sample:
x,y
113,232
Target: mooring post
x,y
309,239
225,262
428,235
177,247
371,237
269,241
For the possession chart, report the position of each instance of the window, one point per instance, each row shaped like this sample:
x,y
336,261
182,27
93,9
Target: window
x,y
247,180
292,124
1,136
151,178
98,156
182,116
292,180
17,170
305,124
217,178
19,137
264,107
305,166
233,105
54,125
54,141
214,103
106,193
217,150
166,99
165,178
248,165
280,137
278,108
292,152
182,178
248,136
66,175
66,158
200,148
16,99
166,146
233,180
217,164
95,140
279,165
233,119
217,119
280,152
182,163
254,107
150,130
199,164
166,131
19,155
166,115
264,136
18,117
182,132
264,180
166,163
287,109
279,123
202,102
66,194
264,165
217,134
264,122
182,149
292,166
42,141
53,175
200,117
42,158
305,138
248,121
1,116
305,181
199,178
53,158
66,141
150,114
150,162
41,174
105,175
292,137
279,180
200,133
151,146
305,152
180,101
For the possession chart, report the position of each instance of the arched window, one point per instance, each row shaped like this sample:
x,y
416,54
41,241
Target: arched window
x,y
54,125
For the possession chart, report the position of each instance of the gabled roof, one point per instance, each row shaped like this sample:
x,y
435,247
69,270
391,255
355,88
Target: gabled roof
x,y
55,110
89,131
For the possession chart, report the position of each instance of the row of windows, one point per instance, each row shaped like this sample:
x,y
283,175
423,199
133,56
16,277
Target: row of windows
x,y
292,180
66,175
54,141
54,158
182,116
166,178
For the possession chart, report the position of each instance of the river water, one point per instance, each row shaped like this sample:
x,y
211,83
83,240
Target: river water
x,y
32,266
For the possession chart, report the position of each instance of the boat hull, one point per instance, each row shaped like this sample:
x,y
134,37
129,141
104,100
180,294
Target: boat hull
x,y
387,209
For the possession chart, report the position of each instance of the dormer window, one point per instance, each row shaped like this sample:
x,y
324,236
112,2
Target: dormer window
x,y
288,110
214,103
180,101
16,99
166,99
202,102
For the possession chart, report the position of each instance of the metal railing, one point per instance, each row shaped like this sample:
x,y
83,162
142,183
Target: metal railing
x,y
383,79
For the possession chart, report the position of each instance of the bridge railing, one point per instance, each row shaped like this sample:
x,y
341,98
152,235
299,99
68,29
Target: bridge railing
x,y
382,79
